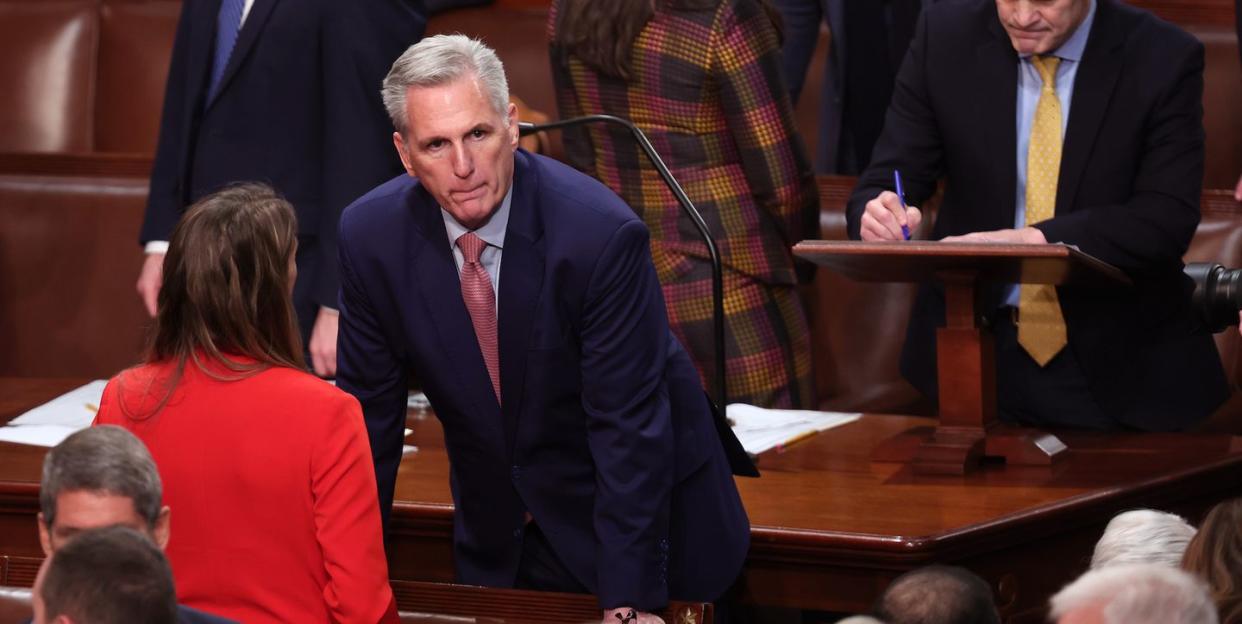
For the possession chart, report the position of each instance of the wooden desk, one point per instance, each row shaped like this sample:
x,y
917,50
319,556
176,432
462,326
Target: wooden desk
x,y
830,527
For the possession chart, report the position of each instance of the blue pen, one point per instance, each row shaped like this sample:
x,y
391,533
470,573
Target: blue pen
x,y
901,194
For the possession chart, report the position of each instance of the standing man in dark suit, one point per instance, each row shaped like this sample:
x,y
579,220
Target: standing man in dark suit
x,y
1067,121
584,455
279,91
868,42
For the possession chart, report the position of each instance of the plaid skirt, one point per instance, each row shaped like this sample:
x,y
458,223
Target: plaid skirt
x,y
767,339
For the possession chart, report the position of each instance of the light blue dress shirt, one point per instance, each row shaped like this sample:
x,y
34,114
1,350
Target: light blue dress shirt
x,y
492,233
1029,86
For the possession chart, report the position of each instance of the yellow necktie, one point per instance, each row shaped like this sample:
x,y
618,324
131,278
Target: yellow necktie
x,y
1041,328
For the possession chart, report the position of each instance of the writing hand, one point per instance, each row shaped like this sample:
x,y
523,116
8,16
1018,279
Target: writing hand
x,y
883,217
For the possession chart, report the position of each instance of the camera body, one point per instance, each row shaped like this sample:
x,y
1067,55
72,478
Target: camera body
x,y
1218,294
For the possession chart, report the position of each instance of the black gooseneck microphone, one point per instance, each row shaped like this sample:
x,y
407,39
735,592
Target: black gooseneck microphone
x,y
718,318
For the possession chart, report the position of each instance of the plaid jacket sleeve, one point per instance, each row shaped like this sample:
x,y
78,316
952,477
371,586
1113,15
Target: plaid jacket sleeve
x,y
746,65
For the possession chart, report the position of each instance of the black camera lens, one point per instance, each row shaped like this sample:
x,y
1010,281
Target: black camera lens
x,y
1218,294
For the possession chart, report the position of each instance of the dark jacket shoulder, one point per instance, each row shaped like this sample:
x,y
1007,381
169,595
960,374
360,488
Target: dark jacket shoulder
x,y
186,615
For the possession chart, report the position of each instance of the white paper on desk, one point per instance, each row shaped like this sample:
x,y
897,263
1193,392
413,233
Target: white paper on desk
x,y
37,435
75,409
760,429
417,400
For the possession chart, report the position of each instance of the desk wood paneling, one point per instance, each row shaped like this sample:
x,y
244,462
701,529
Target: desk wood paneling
x,y
830,528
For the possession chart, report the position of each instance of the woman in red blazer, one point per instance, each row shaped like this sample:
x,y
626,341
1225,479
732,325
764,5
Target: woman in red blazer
x,y
267,469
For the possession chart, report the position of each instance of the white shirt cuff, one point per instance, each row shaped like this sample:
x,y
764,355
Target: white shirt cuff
x,y
157,247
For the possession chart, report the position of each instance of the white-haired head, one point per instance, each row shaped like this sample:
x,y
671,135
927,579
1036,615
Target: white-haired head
x,y
1146,593
440,60
860,619
1143,536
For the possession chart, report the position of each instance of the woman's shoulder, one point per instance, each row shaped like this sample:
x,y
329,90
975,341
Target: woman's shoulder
x,y
137,390
321,408
302,386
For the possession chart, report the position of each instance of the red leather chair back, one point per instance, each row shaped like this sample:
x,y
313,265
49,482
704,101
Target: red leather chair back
x,y
47,68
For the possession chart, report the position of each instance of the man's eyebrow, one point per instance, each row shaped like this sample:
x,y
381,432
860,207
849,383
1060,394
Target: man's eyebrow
x,y
425,141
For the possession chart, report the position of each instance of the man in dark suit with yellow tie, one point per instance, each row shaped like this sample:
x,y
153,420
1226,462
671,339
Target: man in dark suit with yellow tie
x,y
1066,121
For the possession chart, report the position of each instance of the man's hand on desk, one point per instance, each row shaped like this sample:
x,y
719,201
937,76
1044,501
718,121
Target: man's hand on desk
x,y
619,616
883,217
1025,236
150,278
322,345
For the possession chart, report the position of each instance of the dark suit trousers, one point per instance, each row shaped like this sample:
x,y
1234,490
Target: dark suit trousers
x,y
540,569
1056,395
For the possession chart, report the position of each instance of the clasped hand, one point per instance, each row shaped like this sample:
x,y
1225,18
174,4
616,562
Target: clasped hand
x,y
617,616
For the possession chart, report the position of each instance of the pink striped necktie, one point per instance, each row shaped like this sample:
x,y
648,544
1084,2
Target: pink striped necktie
x,y
476,291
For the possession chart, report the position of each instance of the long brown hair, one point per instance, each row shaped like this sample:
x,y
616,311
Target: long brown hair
x,y
601,33
1215,555
226,290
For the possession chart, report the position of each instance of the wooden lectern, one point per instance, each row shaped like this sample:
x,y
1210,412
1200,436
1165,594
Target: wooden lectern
x,y
968,430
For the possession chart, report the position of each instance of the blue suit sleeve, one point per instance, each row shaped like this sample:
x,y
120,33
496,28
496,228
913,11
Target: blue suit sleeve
x,y
630,431
369,369
910,141
164,199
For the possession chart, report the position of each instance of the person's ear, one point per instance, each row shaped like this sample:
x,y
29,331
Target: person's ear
x,y
163,528
513,126
45,536
399,143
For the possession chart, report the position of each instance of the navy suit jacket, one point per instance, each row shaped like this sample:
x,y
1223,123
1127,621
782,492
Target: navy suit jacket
x,y
298,107
605,436
1128,193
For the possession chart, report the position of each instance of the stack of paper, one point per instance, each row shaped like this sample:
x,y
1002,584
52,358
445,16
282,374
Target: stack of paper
x,y
760,429
417,400
55,420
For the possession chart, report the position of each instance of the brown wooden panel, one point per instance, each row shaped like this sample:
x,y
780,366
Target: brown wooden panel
x,y
76,164
19,571
1186,12
517,31
69,258
47,67
926,261
135,47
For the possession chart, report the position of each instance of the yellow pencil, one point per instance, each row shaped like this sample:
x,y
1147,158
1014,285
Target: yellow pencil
x,y
784,446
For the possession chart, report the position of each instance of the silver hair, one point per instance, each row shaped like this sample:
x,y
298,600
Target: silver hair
x,y
1143,536
104,459
1145,593
441,60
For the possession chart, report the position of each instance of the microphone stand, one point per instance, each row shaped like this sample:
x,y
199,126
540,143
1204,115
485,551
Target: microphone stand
x,y
718,317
